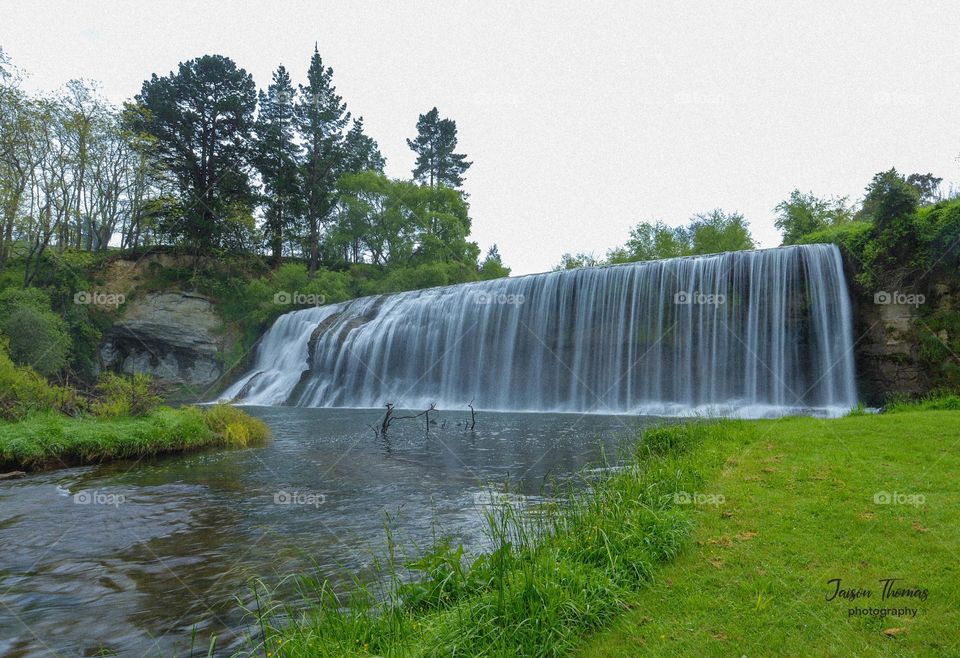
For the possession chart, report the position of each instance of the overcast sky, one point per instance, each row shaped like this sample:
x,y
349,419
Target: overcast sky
x,y
581,118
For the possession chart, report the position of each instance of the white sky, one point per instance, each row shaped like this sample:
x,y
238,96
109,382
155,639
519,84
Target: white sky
x,y
581,118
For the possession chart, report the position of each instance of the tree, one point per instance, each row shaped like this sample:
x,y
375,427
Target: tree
x,y
201,119
651,242
435,144
802,214
361,152
276,157
717,231
927,186
492,266
572,261
399,223
888,198
321,119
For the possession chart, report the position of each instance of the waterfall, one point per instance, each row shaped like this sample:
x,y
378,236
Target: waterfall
x,y
749,333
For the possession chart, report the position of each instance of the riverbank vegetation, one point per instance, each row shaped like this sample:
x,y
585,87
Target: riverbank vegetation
x,y
698,544
43,426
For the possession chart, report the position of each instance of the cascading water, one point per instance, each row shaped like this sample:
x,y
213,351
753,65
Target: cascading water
x,y
748,333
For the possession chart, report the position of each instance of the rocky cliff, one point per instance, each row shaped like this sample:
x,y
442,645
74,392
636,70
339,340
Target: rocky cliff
x,y
176,337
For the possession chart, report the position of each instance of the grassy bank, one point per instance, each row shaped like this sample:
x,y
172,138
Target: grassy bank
x,y
53,440
805,502
718,539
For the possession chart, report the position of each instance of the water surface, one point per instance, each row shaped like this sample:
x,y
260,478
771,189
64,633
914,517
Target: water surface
x,y
132,557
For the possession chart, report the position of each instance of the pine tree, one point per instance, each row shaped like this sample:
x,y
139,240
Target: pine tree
x,y
276,158
435,144
200,119
362,153
322,117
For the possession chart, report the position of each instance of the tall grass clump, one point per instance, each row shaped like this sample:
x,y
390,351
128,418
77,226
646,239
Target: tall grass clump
x,y
938,401
235,427
554,571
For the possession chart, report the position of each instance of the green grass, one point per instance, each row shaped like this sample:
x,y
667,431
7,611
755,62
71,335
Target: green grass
x,y
715,540
798,511
52,440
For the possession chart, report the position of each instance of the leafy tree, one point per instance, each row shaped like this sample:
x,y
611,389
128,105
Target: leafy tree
x,y
395,222
717,231
200,119
927,186
802,214
651,242
492,266
322,117
889,197
276,157
437,164
572,261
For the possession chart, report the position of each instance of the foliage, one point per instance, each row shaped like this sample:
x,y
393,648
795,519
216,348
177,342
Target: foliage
x,y
22,390
435,144
276,156
492,266
803,214
717,231
199,121
235,427
573,261
927,187
395,222
125,396
36,335
707,233
933,402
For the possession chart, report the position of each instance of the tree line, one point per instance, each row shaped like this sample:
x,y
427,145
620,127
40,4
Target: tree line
x,y
202,160
889,196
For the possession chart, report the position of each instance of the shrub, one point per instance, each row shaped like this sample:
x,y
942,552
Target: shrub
x,y
125,396
37,336
235,427
22,390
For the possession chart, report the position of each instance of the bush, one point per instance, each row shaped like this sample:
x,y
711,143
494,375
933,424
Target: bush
x,y
235,427
125,396
22,390
37,336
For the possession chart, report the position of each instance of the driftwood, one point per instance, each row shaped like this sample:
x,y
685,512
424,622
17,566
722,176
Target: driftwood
x,y
389,417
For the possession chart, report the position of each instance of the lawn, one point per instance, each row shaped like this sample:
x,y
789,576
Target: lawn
x,y
793,505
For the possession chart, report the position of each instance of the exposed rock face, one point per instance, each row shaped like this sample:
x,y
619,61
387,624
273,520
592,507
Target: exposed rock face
x,y
174,337
886,354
